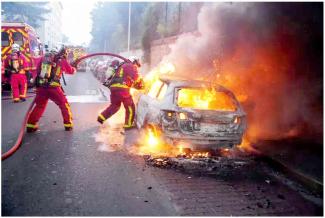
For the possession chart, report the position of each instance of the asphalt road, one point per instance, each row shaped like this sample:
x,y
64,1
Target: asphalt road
x,y
83,172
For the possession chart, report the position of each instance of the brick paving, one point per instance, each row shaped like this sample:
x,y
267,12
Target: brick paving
x,y
197,195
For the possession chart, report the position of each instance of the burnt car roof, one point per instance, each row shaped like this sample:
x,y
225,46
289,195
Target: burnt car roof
x,y
183,82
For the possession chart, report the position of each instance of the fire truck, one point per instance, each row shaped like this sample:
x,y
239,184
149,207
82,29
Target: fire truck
x,y
30,46
76,52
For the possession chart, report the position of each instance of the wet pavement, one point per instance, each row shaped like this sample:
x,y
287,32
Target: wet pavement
x,y
87,172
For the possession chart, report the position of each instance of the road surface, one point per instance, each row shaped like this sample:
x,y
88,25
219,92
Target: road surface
x,y
86,173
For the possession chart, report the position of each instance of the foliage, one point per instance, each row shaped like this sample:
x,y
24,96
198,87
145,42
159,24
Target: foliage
x,y
110,26
149,21
29,12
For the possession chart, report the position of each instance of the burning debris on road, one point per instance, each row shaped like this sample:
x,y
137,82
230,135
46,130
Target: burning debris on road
x,y
204,163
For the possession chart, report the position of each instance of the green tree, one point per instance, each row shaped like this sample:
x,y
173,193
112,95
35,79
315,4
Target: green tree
x,y
151,22
110,26
29,12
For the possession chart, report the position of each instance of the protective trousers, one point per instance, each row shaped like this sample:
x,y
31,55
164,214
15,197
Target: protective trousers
x,y
43,94
119,96
18,86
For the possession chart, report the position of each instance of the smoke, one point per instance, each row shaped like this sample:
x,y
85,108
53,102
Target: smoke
x,y
270,55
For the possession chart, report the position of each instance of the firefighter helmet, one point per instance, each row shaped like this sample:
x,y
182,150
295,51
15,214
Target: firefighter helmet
x,y
115,64
63,51
135,60
15,47
54,50
14,56
36,52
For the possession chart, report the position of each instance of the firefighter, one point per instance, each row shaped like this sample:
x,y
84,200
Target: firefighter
x,y
35,62
110,72
16,67
49,71
126,76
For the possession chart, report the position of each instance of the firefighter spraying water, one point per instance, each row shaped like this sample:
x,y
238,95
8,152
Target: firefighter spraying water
x,y
50,71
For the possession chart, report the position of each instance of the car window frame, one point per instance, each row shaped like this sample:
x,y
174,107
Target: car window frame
x,y
160,90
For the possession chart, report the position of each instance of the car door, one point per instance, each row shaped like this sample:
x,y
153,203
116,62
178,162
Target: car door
x,y
148,107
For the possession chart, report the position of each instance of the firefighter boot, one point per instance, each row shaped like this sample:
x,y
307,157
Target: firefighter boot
x,y
68,128
31,129
22,99
101,119
16,100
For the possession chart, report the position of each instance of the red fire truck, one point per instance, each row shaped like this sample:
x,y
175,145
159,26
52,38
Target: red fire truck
x,y
76,52
30,45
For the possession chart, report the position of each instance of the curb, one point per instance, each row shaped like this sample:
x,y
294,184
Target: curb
x,y
306,180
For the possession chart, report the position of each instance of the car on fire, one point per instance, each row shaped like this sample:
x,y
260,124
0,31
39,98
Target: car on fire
x,y
191,114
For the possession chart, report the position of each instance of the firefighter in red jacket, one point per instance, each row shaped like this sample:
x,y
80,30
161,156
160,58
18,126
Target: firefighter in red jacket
x,y
16,66
50,70
126,76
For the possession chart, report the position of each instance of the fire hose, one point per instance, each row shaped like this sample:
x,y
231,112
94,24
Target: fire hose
x,y
21,134
76,62
13,149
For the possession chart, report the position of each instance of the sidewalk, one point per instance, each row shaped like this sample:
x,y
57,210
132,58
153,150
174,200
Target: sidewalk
x,y
302,156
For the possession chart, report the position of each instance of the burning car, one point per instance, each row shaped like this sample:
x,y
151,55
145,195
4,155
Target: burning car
x,y
191,114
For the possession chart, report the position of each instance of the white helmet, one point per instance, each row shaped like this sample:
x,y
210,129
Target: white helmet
x,y
135,60
54,50
36,52
15,47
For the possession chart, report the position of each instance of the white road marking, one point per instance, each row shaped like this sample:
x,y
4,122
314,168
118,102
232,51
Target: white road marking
x,y
86,98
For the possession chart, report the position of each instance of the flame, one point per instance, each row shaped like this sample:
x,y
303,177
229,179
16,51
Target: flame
x,y
161,69
165,68
152,140
151,144
245,145
199,154
205,99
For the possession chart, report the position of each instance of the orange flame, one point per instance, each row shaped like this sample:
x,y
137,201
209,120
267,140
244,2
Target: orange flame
x,y
166,68
205,99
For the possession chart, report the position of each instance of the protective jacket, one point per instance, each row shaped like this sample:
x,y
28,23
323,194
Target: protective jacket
x,y
50,71
16,63
16,66
126,77
51,89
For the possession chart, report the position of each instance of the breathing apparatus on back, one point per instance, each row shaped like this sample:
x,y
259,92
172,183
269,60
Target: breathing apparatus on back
x,y
50,60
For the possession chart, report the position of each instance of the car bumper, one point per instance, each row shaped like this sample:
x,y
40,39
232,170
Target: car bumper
x,y
203,141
